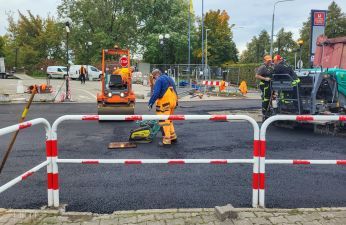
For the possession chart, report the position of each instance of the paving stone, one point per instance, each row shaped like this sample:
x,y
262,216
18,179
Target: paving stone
x,y
144,218
260,221
164,216
194,220
109,222
242,215
95,222
210,218
132,219
327,215
314,222
160,222
278,220
264,214
191,210
4,218
182,215
242,222
294,218
178,221
341,214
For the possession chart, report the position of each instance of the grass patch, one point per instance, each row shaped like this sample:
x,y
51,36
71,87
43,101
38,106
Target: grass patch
x,y
38,73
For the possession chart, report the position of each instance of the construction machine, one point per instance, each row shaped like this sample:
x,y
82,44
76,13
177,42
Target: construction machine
x,y
321,91
117,96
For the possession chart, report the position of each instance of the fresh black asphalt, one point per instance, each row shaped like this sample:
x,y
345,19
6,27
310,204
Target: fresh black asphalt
x,y
106,188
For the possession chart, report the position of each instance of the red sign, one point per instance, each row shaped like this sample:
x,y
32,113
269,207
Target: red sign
x,y
319,18
124,61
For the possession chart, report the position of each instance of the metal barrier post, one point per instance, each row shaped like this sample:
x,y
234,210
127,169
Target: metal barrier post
x,y
254,161
263,161
30,172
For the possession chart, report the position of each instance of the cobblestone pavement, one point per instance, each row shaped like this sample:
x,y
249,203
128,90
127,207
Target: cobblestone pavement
x,y
322,216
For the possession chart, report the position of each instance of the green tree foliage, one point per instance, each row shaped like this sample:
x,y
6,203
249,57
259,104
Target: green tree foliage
x,y
221,48
2,46
305,36
256,48
165,17
285,45
336,21
36,39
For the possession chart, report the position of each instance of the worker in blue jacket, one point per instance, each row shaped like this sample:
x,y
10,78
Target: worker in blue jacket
x,y
166,98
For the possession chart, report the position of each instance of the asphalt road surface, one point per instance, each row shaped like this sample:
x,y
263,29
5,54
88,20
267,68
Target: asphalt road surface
x,y
106,188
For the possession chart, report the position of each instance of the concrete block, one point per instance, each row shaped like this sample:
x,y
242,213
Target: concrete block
x,y
224,212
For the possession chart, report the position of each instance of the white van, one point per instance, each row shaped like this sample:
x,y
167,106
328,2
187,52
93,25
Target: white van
x,y
56,71
92,72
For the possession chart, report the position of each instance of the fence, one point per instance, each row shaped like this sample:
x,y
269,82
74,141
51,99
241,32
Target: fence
x,y
47,162
254,160
259,149
264,161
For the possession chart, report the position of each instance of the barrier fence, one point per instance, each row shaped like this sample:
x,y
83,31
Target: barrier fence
x,y
263,146
259,160
47,162
254,160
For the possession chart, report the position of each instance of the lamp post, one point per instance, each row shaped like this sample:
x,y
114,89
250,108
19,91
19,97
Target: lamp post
x,y
300,62
163,42
88,46
272,34
67,26
206,51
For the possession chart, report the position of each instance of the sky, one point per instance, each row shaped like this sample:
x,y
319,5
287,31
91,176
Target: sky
x,y
250,16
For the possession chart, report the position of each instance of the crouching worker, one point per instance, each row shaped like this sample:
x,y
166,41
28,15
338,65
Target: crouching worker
x,y
165,96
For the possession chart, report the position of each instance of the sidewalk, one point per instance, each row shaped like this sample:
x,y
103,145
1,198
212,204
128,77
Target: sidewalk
x,y
321,216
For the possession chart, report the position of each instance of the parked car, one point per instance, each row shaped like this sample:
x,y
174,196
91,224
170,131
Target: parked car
x,y
3,73
92,72
56,71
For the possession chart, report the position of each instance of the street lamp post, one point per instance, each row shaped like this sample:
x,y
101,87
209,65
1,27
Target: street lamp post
x,y
163,42
88,46
206,51
272,34
67,26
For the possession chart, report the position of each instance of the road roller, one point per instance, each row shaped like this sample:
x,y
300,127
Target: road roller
x,y
117,96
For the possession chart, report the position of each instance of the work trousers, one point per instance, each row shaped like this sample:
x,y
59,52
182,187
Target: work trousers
x,y
82,78
266,93
166,106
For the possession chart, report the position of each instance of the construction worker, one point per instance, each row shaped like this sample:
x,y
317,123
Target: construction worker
x,y
165,96
281,67
264,74
82,74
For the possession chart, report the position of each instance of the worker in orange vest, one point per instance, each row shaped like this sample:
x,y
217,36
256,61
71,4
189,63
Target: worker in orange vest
x,y
82,74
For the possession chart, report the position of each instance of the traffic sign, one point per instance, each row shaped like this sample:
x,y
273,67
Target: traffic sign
x,y
124,61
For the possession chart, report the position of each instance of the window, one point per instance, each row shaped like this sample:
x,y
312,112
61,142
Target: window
x,y
93,69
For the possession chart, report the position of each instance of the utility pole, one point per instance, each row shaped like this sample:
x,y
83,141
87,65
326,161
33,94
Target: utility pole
x,y
272,34
203,39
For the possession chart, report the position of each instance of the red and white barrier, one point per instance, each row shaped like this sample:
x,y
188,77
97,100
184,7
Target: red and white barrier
x,y
47,162
264,161
254,160
214,83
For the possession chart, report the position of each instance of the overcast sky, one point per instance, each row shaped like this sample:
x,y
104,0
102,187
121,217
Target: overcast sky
x,y
252,15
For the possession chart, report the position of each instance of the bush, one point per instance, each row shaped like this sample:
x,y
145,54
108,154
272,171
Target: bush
x,y
38,73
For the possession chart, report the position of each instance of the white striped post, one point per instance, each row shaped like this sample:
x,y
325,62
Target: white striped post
x,y
264,161
254,161
47,163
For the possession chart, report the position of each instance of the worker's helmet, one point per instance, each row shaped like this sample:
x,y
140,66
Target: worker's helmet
x,y
267,58
277,58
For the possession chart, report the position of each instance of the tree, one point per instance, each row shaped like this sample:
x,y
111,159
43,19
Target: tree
x,y
2,46
285,45
256,48
336,21
221,47
305,36
36,39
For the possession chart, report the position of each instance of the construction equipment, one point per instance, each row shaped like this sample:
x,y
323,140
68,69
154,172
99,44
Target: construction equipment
x,y
146,132
116,97
321,91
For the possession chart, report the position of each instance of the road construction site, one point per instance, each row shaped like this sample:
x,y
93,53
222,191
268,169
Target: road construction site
x,y
103,188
